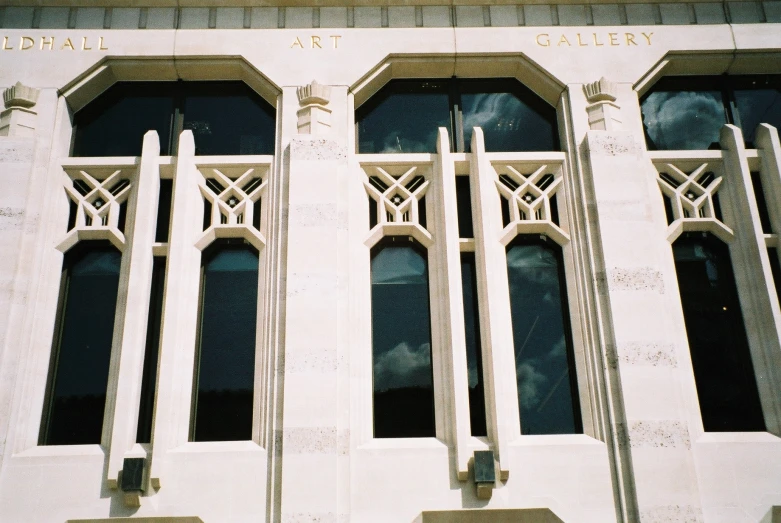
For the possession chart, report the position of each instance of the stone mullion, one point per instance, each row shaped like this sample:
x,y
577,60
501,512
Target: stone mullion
x,y
453,346
180,311
501,393
753,275
130,339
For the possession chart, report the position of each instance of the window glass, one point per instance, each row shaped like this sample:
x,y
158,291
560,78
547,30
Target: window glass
x,y
474,355
547,391
115,123
225,118
228,118
80,361
404,117
225,373
758,100
401,341
512,117
146,405
723,371
683,114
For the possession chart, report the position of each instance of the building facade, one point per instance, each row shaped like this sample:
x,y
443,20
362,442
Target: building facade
x,y
390,262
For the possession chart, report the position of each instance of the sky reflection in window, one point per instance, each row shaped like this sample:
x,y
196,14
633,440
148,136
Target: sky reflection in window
x,y
683,120
543,355
401,343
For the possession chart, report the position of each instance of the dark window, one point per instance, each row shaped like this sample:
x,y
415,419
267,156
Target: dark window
x,y
225,118
688,112
723,371
474,355
544,361
401,340
225,364
82,350
149,377
403,117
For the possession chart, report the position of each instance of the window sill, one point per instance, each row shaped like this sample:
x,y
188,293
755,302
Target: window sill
x,y
206,447
555,440
403,443
62,450
737,437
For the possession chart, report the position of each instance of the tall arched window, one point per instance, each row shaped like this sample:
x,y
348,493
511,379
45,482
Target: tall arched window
x,y
79,368
225,364
723,370
401,340
225,118
403,117
544,360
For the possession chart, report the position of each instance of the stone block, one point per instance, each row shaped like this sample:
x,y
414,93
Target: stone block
x,y
538,15
402,16
194,18
772,11
298,17
125,17
675,14
469,16
54,17
639,14
90,18
711,13
230,17
572,15
18,17
333,17
368,17
436,16
160,18
744,12
265,17
504,16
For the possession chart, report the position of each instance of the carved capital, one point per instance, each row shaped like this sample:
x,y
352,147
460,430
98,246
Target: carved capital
x,y
602,90
20,96
314,117
314,93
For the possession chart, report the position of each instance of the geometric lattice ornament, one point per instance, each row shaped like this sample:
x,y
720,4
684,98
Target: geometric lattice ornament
x,y
397,201
692,200
98,204
528,196
233,198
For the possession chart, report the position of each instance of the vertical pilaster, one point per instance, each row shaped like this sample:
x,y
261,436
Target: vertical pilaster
x,y
180,310
758,298
646,342
454,342
126,389
496,341
314,440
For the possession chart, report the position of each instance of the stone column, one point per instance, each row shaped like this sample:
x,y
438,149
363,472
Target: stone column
x,y
652,385
314,431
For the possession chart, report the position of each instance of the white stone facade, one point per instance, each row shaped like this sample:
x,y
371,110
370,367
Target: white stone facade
x,y
643,455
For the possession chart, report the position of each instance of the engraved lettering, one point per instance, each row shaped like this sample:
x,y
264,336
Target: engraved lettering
x,y
596,42
26,43
5,44
647,37
316,42
563,40
84,44
580,43
297,43
45,42
335,39
613,39
68,44
546,40
100,45
630,38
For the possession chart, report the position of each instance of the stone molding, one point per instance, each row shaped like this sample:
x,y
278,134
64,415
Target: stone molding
x,y
18,118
